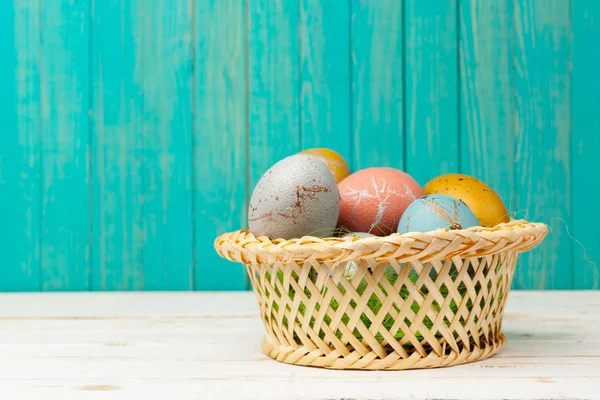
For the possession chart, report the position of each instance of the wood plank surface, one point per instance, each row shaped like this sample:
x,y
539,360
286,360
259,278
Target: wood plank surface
x,y
585,141
72,345
377,124
325,75
432,89
20,146
166,62
542,161
273,84
117,118
487,91
220,138
65,152
142,146
133,133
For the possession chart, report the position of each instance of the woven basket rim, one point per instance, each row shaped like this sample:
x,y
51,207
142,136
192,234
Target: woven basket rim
x,y
515,235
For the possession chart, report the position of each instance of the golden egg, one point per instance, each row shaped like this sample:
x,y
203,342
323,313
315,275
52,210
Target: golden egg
x,y
335,162
481,199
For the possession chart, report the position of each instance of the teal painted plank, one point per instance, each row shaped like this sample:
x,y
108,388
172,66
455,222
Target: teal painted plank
x,y
542,171
64,88
220,138
274,90
20,146
486,110
166,65
432,109
585,141
116,148
377,84
325,75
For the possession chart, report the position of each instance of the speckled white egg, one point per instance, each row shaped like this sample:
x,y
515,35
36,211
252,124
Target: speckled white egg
x,y
298,196
351,267
360,235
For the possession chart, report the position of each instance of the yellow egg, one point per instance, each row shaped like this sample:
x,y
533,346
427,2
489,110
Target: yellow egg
x,y
334,161
479,197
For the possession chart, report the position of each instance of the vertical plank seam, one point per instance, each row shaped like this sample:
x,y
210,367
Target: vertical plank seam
x,y
193,144
91,117
570,138
300,83
403,133
351,89
247,108
143,154
458,88
164,197
514,114
41,146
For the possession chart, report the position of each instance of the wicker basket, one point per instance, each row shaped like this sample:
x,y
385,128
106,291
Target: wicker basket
x,y
417,300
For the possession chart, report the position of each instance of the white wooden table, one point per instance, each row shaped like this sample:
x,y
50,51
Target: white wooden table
x,y
207,346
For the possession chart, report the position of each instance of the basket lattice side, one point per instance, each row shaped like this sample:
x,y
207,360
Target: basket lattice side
x,y
418,300
393,316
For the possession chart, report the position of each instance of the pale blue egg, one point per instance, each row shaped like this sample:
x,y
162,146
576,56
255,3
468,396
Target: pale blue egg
x,y
436,211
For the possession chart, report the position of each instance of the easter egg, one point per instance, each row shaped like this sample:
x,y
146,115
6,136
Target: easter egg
x,y
359,235
436,211
335,162
373,199
351,266
297,196
479,197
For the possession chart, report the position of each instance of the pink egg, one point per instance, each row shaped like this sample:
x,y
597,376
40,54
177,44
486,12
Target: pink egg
x,y
374,199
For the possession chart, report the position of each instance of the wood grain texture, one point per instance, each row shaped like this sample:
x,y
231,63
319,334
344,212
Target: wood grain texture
x,y
273,85
117,115
585,141
432,89
487,93
325,75
133,133
166,66
487,112
220,138
377,84
20,148
64,91
207,345
542,128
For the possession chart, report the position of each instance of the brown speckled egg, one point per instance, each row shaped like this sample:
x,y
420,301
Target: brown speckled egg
x,y
374,199
479,197
296,197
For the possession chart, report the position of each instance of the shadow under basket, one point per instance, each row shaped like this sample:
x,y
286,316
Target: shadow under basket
x,y
404,301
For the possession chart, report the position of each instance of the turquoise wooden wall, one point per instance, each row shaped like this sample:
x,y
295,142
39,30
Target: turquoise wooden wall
x,y
132,132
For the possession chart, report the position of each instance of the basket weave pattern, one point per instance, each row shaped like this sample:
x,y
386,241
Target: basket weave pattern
x,y
417,300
